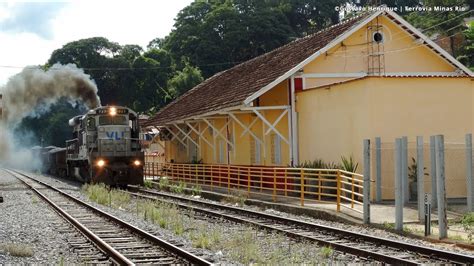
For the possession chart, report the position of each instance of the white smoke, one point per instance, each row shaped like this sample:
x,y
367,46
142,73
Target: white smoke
x,y
32,92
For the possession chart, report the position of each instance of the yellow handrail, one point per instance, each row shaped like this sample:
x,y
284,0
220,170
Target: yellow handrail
x,y
304,184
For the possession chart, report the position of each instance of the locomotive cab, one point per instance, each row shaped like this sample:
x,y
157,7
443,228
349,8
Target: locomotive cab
x,y
105,147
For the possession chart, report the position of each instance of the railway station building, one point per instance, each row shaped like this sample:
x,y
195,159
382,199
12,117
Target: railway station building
x,y
320,96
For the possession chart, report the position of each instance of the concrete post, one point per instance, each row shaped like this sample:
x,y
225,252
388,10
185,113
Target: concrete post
x,y
398,186
420,177
378,169
366,202
469,180
440,184
405,185
434,196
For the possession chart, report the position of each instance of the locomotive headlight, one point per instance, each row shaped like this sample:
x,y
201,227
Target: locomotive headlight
x,y
112,111
137,163
100,163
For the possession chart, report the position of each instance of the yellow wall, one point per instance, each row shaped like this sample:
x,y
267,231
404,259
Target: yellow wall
x,y
401,53
334,121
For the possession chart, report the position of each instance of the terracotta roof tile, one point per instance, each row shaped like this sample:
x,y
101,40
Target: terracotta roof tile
x,y
231,87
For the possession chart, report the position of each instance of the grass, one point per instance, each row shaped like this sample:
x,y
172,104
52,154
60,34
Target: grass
x,y
18,250
196,190
387,225
178,188
148,184
326,252
165,215
242,244
202,237
467,222
34,199
104,195
236,198
246,246
164,183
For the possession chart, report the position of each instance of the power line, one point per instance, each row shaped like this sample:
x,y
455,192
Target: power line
x,y
391,51
119,68
234,63
406,36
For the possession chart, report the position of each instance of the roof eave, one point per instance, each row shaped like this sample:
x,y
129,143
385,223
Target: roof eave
x,y
323,50
342,37
425,38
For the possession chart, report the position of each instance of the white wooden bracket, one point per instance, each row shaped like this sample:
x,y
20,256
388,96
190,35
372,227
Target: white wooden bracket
x,y
219,131
247,129
272,126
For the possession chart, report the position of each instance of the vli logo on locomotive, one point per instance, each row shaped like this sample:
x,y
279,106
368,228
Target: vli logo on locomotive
x,y
114,135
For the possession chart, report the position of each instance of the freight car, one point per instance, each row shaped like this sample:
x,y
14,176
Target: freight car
x,y
105,149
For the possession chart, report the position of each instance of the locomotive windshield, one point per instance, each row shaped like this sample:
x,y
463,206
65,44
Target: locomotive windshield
x,y
113,120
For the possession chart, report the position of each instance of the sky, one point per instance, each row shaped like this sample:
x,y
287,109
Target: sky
x,y
31,30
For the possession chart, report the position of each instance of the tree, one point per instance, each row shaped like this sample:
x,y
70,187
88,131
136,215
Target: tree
x,y
446,24
184,80
216,35
130,52
467,52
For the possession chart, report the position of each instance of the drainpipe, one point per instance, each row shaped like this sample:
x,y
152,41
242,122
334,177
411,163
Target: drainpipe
x,y
294,123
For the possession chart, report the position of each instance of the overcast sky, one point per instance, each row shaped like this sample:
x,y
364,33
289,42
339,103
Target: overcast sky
x,y
31,30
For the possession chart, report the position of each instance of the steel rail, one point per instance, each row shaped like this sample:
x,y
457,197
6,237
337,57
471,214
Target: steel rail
x,y
114,255
427,251
193,259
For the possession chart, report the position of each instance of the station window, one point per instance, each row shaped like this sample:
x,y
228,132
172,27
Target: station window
x,y
254,151
192,156
276,149
221,154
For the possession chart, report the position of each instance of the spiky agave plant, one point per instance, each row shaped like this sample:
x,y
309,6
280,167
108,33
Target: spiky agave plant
x,y
348,164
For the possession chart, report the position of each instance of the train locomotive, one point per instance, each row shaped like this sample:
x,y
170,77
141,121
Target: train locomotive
x,y
105,148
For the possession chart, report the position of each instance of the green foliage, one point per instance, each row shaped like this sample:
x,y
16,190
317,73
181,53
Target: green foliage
x,y
444,24
196,190
387,225
466,55
148,184
236,197
164,183
136,84
467,222
104,195
349,165
178,188
326,252
216,35
185,79
165,215
318,164
412,170
53,128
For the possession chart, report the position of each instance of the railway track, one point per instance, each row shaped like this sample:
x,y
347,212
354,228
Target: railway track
x,y
118,241
366,246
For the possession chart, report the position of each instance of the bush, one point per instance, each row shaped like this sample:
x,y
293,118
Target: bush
x,y
148,184
467,222
164,183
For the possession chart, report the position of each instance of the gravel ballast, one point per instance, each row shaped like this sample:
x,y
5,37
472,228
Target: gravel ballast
x,y
272,242
29,229
237,243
